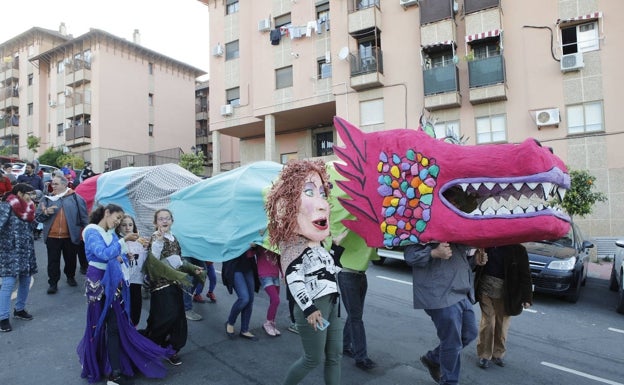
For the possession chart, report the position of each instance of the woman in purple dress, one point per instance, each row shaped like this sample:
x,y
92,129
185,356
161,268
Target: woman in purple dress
x,y
111,346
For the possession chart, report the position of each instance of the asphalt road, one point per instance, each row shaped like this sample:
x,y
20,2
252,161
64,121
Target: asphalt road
x,y
553,343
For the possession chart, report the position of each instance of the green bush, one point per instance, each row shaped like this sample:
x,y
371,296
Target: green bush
x,y
580,199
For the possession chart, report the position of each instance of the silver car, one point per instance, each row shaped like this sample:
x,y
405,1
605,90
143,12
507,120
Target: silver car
x,y
617,271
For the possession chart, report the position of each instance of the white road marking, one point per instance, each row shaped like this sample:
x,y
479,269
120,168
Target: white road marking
x,y
581,374
394,280
529,310
616,330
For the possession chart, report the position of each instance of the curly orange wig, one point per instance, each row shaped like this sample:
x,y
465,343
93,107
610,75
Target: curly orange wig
x,y
284,198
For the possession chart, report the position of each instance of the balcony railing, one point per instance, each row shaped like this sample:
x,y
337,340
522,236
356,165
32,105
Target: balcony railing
x,y
77,131
441,79
487,71
368,63
201,132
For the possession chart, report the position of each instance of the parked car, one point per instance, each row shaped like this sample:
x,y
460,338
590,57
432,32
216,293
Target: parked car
x,y
617,273
385,253
559,266
18,168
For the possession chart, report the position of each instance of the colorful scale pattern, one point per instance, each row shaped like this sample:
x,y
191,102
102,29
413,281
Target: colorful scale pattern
x,y
406,185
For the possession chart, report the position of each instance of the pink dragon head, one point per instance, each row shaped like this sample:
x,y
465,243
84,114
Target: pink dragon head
x,y
406,187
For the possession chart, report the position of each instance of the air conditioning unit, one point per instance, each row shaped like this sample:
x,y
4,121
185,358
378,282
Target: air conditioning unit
x,y
572,62
549,117
408,3
217,50
68,92
51,103
264,25
226,110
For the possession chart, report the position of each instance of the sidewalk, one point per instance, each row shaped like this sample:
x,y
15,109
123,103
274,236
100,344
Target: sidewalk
x,y
600,269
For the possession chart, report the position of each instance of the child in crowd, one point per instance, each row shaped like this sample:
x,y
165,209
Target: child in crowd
x,y
269,273
137,253
212,279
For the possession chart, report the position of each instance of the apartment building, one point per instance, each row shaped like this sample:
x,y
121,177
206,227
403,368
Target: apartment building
x,y
225,149
492,71
99,96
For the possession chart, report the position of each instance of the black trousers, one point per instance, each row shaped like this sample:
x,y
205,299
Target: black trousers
x,y
82,255
56,247
166,324
136,303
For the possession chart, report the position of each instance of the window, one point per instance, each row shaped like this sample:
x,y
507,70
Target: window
x,y
438,56
231,6
30,79
150,129
369,50
87,58
580,38
60,129
324,142
60,66
447,129
150,99
363,4
322,11
150,68
231,50
485,48
283,20
31,50
324,69
284,158
491,129
232,96
284,77
371,112
30,109
586,117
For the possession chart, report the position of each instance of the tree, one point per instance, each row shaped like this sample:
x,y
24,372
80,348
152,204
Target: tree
x,y
193,162
580,199
50,156
33,143
76,161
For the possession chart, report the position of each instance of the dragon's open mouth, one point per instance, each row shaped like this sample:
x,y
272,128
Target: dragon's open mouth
x,y
508,197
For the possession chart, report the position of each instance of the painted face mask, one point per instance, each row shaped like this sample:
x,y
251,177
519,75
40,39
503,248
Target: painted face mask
x,y
313,215
407,187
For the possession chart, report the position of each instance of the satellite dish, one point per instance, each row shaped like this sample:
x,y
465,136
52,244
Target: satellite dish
x,y
343,53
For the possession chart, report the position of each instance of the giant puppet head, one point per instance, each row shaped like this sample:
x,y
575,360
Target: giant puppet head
x,y
406,187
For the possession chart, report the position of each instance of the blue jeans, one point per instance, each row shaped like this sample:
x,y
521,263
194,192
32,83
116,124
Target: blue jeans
x,y
211,274
244,285
456,327
186,295
353,287
8,283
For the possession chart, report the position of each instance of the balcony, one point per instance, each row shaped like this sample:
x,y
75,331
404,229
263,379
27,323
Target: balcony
x,y
78,135
77,105
487,79
367,70
364,14
10,149
9,127
201,112
441,87
79,72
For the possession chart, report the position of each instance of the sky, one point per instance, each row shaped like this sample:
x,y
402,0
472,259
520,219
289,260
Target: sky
x,y
175,28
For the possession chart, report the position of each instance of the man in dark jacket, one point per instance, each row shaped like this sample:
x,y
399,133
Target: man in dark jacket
x,y
503,288
64,215
30,177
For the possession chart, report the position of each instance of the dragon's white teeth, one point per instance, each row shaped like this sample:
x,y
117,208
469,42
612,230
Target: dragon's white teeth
x,y
489,211
547,188
463,186
503,185
503,211
518,210
532,185
530,209
489,185
518,186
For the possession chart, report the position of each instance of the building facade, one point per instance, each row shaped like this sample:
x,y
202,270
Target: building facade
x,y
99,97
491,71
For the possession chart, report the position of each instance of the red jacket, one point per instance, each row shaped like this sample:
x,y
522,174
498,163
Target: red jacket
x,y
5,185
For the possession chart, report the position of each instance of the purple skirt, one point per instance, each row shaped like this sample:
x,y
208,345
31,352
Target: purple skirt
x,y
136,351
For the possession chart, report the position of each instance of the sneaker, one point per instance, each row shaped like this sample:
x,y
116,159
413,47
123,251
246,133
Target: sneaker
x,y
484,363
498,361
268,328
175,360
277,332
193,316
434,369
198,298
211,296
22,314
366,364
52,289
293,328
71,281
5,325
117,378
